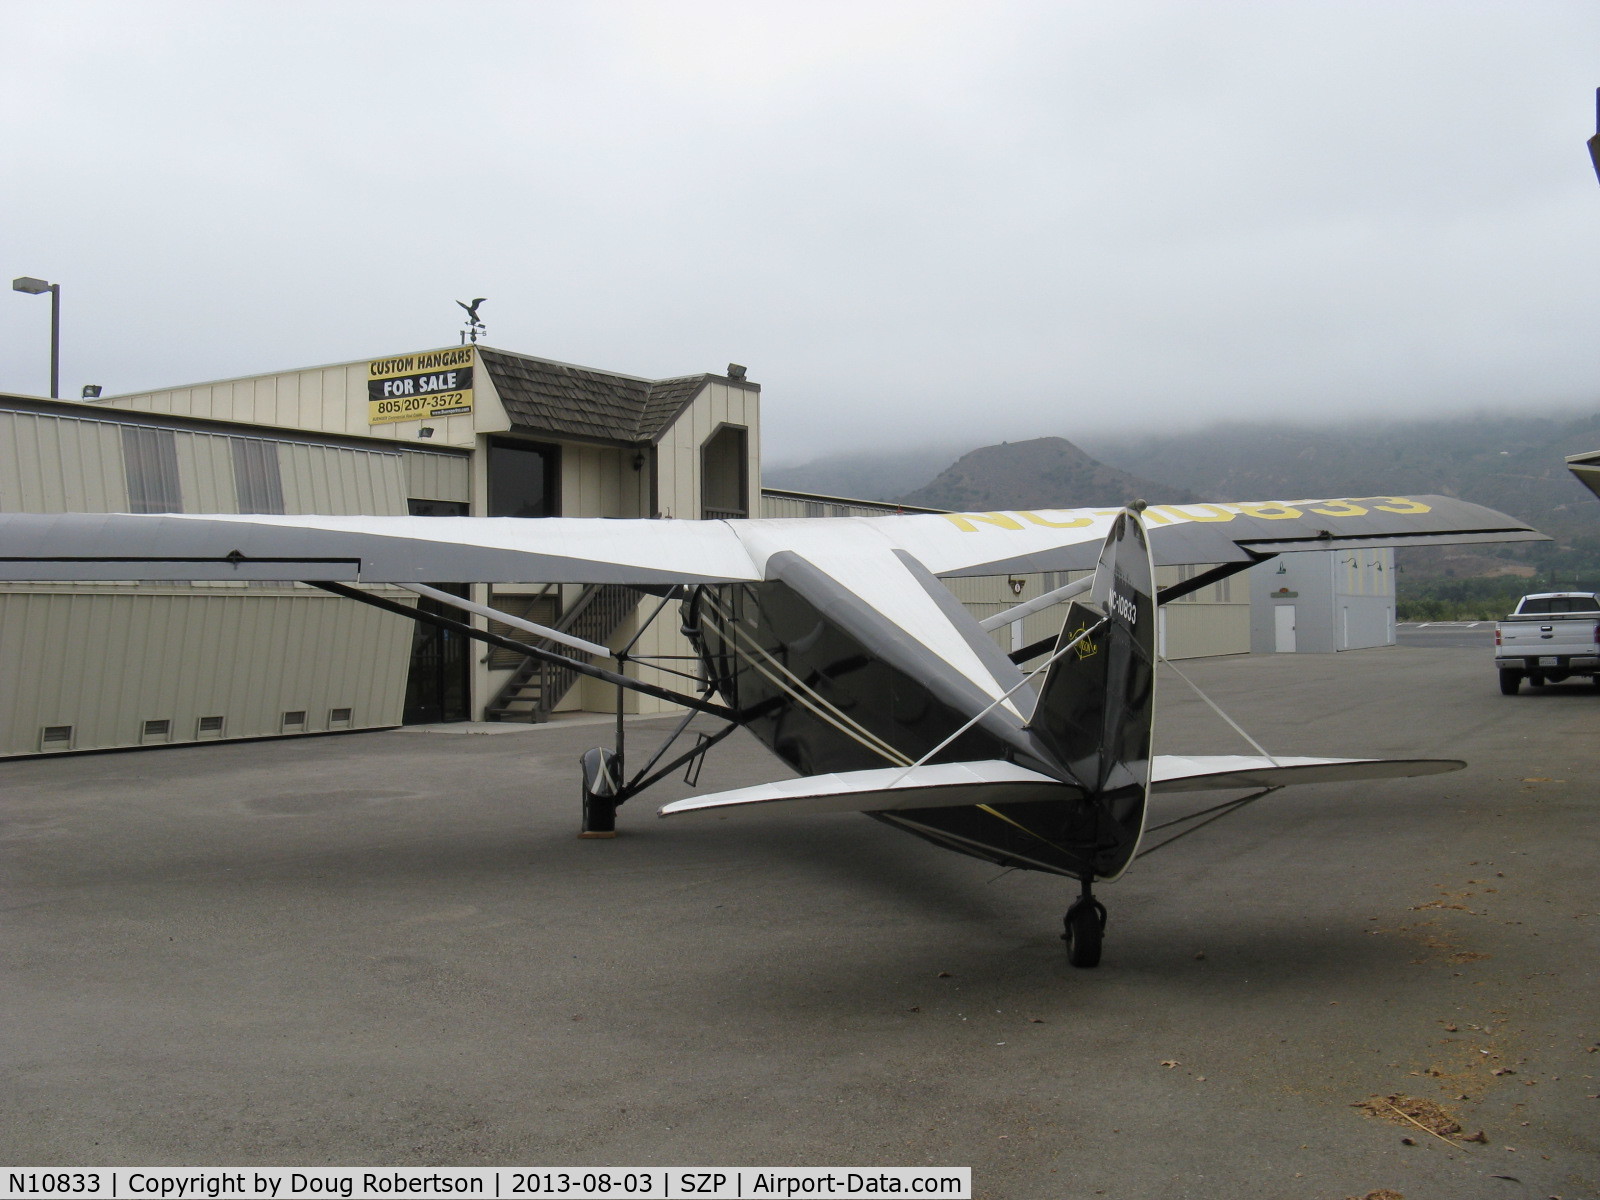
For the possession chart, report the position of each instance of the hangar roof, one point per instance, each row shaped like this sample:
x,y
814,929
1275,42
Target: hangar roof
x,y
543,396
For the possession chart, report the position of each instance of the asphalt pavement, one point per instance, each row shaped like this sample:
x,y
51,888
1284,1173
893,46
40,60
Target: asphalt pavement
x,y
391,949
1447,635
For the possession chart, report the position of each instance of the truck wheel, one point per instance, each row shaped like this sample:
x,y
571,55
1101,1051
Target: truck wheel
x,y
1510,681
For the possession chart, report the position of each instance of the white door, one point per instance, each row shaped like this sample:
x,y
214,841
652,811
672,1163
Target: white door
x,y
1283,628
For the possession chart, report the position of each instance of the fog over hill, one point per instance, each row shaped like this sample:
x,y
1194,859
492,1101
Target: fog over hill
x,y
1041,473
1514,463
885,474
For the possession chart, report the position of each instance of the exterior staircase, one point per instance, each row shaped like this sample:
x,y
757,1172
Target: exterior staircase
x,y
536,687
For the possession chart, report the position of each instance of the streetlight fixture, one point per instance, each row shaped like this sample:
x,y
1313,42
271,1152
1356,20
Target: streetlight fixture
x,y
37,287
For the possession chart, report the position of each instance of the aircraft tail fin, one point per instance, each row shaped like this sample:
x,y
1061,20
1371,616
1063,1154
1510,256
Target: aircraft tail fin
x,y
1097,704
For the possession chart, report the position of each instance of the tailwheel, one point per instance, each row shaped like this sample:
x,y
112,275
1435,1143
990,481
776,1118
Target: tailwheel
x,y
1085,930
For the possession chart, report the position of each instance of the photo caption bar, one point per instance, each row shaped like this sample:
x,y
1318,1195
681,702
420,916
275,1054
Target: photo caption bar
x,y
495,1183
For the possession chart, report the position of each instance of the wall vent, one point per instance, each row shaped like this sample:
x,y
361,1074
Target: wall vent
x,y
338,718
208,727
156,731
295,721
55,737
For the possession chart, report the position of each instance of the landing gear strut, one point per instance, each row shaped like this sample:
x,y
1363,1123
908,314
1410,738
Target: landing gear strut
x,y
1085,928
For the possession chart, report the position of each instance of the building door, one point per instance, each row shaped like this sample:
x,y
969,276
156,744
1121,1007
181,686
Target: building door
x,y
1283,628
437,689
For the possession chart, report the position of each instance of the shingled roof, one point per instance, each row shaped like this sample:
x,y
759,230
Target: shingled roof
x,y
541,396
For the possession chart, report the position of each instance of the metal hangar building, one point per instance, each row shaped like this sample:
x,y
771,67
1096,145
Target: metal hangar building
x,y
459,431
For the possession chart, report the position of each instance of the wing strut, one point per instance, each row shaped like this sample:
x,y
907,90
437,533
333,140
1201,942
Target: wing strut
x,y
494,639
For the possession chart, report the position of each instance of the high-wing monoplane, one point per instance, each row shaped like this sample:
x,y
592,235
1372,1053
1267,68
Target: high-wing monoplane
x,y
836,643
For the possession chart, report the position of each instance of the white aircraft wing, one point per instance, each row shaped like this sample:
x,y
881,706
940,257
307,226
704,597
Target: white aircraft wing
x,y
368,549
1016,542
74,546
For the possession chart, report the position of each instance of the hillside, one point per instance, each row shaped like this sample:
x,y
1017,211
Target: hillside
x,y
1042,473
875,476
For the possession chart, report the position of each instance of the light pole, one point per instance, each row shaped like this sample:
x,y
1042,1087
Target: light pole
x,y
37,287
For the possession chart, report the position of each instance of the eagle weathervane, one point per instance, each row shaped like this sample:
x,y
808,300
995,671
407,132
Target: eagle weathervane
x,y
474,325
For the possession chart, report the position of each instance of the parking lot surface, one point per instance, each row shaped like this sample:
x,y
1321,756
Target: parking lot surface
x,y
391,949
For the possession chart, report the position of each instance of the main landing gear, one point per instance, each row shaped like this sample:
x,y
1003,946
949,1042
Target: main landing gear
x,y
600,785
1085,928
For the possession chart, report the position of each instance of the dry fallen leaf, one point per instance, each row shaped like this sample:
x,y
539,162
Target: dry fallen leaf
x,y
1169,1063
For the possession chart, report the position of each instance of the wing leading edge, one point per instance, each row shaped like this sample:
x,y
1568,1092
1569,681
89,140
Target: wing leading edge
x,y
368,549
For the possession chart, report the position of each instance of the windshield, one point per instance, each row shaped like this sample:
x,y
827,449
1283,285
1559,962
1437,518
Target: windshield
x,y
1560,604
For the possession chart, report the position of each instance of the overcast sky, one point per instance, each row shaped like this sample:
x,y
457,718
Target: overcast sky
x,y
913,222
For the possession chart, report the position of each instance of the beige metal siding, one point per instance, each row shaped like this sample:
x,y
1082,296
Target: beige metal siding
x,y
329,399
104,658
54,463
48,464
678,452
439,477
599,481
105,663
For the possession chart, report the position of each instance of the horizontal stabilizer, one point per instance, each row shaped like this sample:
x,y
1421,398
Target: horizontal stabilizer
x,y
1219,772
888,789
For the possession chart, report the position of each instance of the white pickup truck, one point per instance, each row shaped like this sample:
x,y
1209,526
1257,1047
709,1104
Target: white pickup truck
x,y
1550,636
